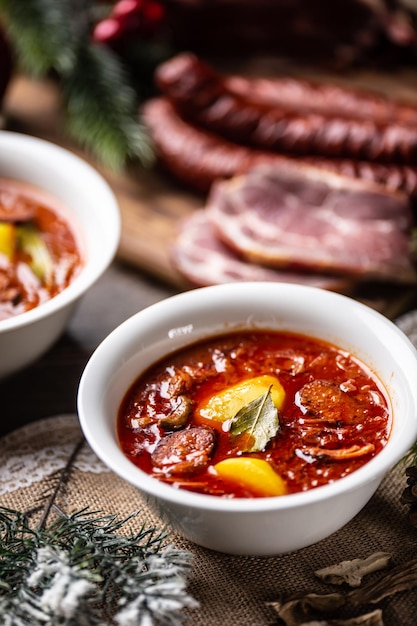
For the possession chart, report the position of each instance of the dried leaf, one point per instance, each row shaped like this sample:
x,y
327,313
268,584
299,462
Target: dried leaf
x,y
295,611
256,423
401,578
306,610
352,572
368,619
301,612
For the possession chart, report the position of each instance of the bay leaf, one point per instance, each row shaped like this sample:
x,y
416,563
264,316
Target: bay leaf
x,y
255,424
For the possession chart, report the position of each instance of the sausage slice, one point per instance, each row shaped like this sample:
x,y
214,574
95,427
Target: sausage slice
x,y
184,452
322,400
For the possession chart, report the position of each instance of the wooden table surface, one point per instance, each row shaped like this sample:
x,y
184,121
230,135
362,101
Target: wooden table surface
x,y
151,204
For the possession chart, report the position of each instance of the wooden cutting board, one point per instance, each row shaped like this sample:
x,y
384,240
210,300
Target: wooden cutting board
x,y
151,204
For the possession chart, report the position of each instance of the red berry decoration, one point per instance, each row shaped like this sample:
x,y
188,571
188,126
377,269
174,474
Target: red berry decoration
x,y
127,7
130,18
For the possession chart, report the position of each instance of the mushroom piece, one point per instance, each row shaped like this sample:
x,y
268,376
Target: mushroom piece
x,y
180,413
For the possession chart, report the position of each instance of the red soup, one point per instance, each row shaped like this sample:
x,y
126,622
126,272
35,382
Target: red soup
x,y
40,253
253,414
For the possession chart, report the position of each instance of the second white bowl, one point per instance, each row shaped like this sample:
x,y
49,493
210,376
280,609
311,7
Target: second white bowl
x,y
92,206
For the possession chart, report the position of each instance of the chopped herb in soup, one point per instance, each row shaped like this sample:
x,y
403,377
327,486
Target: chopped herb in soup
x,y
40,253
251,414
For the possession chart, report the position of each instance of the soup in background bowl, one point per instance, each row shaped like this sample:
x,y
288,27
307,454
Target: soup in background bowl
x,y
88,213
41,251
271,524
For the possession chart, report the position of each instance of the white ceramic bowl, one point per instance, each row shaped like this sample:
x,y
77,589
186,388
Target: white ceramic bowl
x,y
263,526
86,196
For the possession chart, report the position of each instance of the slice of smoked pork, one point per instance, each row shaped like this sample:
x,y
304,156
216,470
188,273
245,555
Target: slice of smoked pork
x,y
303,219
197,157
204,260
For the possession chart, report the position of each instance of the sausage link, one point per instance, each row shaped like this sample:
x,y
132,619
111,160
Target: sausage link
x,y
328,99
197,157
202,97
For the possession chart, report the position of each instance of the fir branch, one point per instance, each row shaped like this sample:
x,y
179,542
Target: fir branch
x,y
41,34
101,105
81,569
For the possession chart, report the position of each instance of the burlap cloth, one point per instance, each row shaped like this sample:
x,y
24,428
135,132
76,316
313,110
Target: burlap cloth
x,y
231,590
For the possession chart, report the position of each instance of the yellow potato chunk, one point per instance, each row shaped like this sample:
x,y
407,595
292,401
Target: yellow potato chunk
x,y
7,239
224,405
255,474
